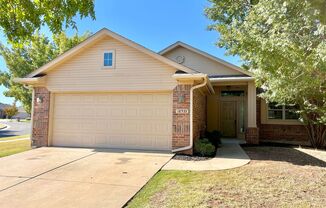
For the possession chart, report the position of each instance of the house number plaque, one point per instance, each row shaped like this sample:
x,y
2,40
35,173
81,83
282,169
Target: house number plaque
x,y
182,111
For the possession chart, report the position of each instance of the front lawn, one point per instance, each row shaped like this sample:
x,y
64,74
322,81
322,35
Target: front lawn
x,y
13,147
276,177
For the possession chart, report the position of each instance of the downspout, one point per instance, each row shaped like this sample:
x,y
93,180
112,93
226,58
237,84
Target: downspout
x,y
191,116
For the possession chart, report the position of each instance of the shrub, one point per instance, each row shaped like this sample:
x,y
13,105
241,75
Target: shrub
x,y
203,147
214,137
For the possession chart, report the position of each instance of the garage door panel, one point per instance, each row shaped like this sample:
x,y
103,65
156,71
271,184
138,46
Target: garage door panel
x,y
136,121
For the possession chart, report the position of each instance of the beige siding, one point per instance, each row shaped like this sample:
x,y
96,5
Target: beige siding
x,y
134,71
199,113
200,63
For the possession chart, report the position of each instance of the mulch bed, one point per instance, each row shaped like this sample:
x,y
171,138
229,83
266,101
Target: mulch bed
x,y
191,158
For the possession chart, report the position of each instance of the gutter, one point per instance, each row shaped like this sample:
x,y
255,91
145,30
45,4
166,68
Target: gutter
x,y
191,115
226,79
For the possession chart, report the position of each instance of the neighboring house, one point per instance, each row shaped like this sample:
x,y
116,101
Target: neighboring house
x,y
2,110
22,114
110,92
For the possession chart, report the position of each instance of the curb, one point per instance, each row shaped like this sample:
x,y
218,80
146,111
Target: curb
x,y
6,126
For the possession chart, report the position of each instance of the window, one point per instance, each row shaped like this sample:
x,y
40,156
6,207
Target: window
x,y
108,59
282,112
235,93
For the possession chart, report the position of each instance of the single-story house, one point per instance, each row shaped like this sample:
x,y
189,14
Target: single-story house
x,y
22,114
110,92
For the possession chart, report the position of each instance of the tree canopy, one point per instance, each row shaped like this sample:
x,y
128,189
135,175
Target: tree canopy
x,y
20,19
283,42
21,61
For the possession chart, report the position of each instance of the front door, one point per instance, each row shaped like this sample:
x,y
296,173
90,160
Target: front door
x,y
228,118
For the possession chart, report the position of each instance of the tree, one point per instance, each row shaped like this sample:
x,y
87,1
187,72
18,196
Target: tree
x,y
283,43
20,19
21,61
11,111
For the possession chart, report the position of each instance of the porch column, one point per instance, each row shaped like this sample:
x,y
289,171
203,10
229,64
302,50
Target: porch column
x,y
252,136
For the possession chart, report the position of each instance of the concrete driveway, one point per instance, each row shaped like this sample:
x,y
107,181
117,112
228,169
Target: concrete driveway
x,y
75,177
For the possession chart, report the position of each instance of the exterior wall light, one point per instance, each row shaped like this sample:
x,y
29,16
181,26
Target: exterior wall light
x,y
181,99
39,99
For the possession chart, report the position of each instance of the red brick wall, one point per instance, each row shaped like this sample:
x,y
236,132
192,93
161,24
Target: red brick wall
x,y
181,122
41,117
291,134
199,113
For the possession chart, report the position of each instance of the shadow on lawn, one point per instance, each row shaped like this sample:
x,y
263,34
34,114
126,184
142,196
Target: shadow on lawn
x,y
282,154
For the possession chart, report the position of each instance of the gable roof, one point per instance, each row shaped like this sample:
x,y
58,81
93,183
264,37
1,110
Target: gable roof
x,y
203,53
3,106
102,33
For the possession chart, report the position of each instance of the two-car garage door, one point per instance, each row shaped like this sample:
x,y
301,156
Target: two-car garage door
x,y
116,120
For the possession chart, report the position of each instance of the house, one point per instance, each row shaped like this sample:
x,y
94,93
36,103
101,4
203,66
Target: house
x,y
110,92
22,114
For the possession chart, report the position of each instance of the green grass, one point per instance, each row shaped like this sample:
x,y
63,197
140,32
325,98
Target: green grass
x,y
10,148
276,177
2,126
14,137
25,120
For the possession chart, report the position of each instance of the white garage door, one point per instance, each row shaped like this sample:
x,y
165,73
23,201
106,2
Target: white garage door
x,y
133,121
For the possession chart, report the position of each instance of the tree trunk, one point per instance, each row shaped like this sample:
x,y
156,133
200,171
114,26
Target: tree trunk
x,y
317,135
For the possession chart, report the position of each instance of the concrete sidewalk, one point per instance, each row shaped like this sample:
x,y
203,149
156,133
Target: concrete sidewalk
x,y
230,155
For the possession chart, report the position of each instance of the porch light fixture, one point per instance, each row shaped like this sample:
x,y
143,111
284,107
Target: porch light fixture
x,y
181,99
39,99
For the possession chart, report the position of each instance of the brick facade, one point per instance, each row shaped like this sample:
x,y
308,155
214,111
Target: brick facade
x,y
252,135
181,122
199,113
290,134
40,117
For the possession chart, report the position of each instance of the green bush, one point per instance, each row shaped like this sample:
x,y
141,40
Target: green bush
x,y
203,147
214,137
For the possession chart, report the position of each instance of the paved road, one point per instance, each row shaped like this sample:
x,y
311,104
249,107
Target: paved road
x,y
15,128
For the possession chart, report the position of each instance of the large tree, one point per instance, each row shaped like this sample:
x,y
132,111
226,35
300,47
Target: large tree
x,y
21,61
283,42
19,19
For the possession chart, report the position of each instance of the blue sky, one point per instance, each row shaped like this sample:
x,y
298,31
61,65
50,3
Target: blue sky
x,y
154,24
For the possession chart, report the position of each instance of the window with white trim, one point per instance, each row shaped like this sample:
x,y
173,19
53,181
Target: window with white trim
x,y
282,112
108,59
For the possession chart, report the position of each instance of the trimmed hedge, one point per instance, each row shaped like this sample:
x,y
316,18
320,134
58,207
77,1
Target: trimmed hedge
x,y
204,148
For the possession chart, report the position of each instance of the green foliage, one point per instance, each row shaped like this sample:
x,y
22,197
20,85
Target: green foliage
x,y
204,148
214,137
11,111
282,42
20,19
21,61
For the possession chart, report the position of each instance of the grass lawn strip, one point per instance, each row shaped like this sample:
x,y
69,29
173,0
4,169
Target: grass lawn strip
x,y
2,126
14,137
9,148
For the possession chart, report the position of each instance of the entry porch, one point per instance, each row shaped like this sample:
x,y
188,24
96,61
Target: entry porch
x,y
232,109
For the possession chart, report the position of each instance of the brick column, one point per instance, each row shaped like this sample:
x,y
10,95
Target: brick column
x,y
41,111
181,121
252,135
